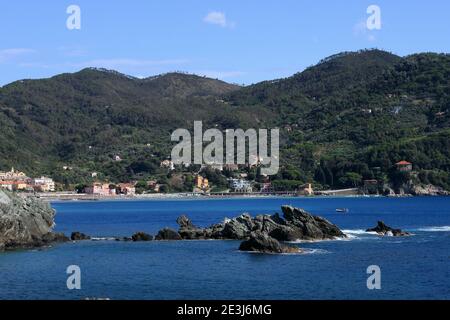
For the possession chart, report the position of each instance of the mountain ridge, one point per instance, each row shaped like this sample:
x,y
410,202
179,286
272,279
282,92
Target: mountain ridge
x,y
333,115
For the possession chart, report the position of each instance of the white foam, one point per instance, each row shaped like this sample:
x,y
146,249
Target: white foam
x,y
435,229
103,239
315,251
353,232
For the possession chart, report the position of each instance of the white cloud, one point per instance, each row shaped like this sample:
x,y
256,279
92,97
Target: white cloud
x,y
218,18
8,54
73,51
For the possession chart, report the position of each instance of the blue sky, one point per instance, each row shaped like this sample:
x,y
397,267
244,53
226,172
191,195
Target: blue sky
x,y
241,41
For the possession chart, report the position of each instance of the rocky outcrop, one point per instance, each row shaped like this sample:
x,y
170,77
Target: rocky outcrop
x,y
296,224
168,234
78,236
428,190
26,222
141,236
384,230
263,243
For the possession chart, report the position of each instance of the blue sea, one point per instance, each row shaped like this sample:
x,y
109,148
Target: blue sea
x,y
415,267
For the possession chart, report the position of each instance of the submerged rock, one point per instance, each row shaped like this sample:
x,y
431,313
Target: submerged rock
x,y
263,243
78,236
168,234
26,222
384,230
141,236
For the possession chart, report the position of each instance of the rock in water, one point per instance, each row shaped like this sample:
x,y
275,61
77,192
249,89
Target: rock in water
x,y
261,242
297,224
188,230
141,236
385,230
78,236
168,234
26,222
311,227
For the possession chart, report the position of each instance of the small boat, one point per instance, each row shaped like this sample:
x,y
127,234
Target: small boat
x,y
342,210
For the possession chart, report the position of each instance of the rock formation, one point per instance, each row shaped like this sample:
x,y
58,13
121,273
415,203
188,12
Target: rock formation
x,y
78,236
26,222
141,236
296,224
384,230
263,243
168,234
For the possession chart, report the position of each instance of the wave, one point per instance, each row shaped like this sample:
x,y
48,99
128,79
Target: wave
x,y
315,251
103,239
355,232
435,229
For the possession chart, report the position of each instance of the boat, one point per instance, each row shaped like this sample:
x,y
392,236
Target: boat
x,y
342,210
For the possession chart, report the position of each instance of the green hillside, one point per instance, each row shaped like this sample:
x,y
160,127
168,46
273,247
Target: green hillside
x,y
350,117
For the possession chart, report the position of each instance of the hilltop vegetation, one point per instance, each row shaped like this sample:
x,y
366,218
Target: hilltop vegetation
x,y
350,117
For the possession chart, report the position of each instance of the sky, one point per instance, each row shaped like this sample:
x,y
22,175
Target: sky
x,y
238,41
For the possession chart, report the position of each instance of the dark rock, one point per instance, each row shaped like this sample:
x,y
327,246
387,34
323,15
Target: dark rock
x,y
55,237
385,230
296,225
311,227
168,234
184,222
261,242
141,236
78,236
189,231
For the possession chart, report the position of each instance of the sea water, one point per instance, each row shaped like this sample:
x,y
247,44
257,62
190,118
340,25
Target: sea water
x,y
415,267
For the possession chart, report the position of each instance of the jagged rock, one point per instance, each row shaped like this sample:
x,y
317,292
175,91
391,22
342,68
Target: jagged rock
x,y
141,236
25,222
55,237
262,242
184,222
78,236
188,230
311,227
296,225
168,234
428,190
383,229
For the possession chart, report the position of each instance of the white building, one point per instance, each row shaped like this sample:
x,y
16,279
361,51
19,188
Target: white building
x,y
240,185
44,184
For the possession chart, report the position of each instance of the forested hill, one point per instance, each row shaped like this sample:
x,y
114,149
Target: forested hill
x,y
348,118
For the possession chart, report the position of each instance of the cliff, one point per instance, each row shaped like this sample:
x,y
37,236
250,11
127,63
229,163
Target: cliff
x,y
25,222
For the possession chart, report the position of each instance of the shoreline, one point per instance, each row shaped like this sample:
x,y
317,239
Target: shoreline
x,y
177,196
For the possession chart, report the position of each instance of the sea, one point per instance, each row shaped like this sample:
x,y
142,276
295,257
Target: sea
x,y
414,267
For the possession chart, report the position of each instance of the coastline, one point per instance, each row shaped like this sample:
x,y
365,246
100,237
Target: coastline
x,y
184,196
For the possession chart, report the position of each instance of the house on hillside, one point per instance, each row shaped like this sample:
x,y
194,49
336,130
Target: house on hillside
x,y
201,182
101,189
404,166
126,189
43,184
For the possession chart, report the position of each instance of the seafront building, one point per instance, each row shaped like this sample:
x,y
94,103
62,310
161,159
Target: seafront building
x,y
14,180
240,185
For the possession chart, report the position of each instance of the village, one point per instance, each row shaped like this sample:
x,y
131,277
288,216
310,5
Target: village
x,y
238,184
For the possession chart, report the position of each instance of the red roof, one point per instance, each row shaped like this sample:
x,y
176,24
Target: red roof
x,y
403,163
